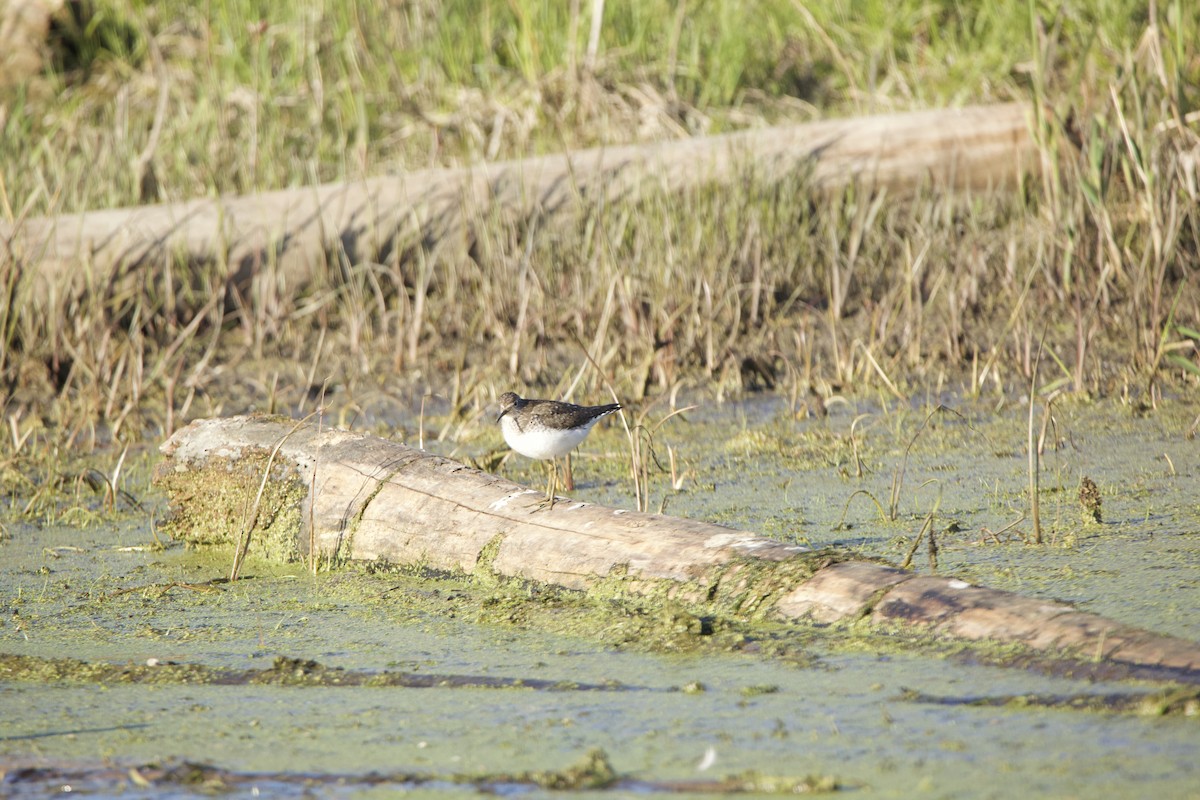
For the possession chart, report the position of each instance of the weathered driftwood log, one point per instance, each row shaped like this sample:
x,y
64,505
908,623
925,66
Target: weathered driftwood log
x,y
978,147
353,496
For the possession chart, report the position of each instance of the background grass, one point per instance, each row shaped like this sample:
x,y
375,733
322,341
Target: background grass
x,y
717,291
268,94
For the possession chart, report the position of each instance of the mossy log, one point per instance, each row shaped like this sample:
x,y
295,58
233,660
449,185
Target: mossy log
x,y
977,148
296,487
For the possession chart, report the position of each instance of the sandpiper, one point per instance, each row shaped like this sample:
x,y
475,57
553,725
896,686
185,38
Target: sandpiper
x,y
547,429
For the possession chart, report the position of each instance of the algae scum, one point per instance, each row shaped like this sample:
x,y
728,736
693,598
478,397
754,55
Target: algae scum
x,y
128,667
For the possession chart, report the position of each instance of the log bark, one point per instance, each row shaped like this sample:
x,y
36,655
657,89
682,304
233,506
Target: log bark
x,y
969,148
353,496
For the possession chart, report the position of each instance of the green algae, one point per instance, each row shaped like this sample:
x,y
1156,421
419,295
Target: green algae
x,y
1139,565
678,674
770,718
228,500
283,671
1176,701
744,588
594,772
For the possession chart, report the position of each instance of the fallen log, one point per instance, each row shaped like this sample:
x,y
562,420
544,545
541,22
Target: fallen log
x,y
977,147
297,490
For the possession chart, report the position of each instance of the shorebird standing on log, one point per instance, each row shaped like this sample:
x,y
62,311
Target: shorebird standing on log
x,y
547,429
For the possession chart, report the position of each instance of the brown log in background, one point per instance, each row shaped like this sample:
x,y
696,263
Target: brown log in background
x,y
361,497
977,148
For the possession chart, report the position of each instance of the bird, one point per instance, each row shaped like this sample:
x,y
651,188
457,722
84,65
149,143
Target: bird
x,y
547,429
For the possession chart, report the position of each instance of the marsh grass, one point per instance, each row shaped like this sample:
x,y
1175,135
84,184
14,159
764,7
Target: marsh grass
x,y
766,286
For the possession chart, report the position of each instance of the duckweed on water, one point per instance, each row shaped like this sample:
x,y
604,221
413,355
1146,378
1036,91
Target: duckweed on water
x,y
284,671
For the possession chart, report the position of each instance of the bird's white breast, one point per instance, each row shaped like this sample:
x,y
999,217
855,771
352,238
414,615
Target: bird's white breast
x,y
541,442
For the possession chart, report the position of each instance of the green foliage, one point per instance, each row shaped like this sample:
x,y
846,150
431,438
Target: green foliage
x,y
264,94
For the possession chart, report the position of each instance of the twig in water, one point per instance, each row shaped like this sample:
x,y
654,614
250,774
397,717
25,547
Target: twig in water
x,y
898,477
1034,478
933,547
312,501
846,509
927,526
858,462
996,534
208,587
244,540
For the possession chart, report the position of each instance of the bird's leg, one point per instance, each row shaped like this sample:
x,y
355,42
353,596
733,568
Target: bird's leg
x,y
551,481
568,475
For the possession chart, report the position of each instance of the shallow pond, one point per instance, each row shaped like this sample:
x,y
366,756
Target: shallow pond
x,y
758,467
854,709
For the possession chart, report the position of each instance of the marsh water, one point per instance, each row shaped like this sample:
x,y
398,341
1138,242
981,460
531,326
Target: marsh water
x,y
525,685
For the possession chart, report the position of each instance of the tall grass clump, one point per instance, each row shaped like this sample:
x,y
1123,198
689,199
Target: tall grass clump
x,y
762,284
